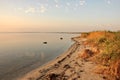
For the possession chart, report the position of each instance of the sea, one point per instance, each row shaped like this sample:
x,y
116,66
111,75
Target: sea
x,y
21,53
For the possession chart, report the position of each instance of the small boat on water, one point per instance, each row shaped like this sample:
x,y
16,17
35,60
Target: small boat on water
x,y
44,42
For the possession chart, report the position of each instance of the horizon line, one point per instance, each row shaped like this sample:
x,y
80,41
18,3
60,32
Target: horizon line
x,y
43,32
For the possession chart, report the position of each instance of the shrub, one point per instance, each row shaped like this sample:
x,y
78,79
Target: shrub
x,y
109,44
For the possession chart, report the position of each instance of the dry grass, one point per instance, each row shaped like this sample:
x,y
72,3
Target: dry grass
x,y
105,46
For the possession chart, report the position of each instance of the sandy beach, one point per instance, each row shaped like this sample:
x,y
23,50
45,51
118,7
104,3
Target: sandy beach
x,y
66,67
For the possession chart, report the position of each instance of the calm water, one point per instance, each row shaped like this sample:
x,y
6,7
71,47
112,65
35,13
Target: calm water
x,y
23,52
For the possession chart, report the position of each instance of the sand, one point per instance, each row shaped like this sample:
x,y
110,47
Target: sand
x,y
66,67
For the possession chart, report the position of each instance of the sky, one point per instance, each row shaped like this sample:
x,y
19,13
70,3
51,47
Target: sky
x,y
59,15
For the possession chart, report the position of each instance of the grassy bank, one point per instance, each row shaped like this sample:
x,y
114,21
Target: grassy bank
x,y
105,51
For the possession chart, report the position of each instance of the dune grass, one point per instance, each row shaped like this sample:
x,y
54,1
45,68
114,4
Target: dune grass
x,y
108,43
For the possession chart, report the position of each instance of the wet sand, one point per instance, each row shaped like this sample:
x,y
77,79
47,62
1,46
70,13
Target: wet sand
x,y
66,67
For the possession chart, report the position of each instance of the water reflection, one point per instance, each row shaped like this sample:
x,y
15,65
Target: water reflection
x,y
30,54
20,53
42,55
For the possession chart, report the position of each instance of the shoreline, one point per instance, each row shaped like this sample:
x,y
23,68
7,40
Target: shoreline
x,y
67,66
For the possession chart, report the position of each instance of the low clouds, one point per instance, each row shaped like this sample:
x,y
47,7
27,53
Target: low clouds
x,y
82,2
56,1
30,10
108,1
41,6
41,9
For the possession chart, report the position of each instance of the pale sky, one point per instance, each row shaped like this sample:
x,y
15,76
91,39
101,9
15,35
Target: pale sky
x,y
59,15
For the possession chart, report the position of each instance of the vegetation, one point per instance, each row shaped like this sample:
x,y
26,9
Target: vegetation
x,y
109,45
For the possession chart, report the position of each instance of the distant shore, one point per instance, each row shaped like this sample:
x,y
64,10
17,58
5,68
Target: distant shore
x,y
66,67
46,32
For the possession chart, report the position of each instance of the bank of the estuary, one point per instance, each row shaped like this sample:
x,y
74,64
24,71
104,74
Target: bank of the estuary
x,y
68,66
